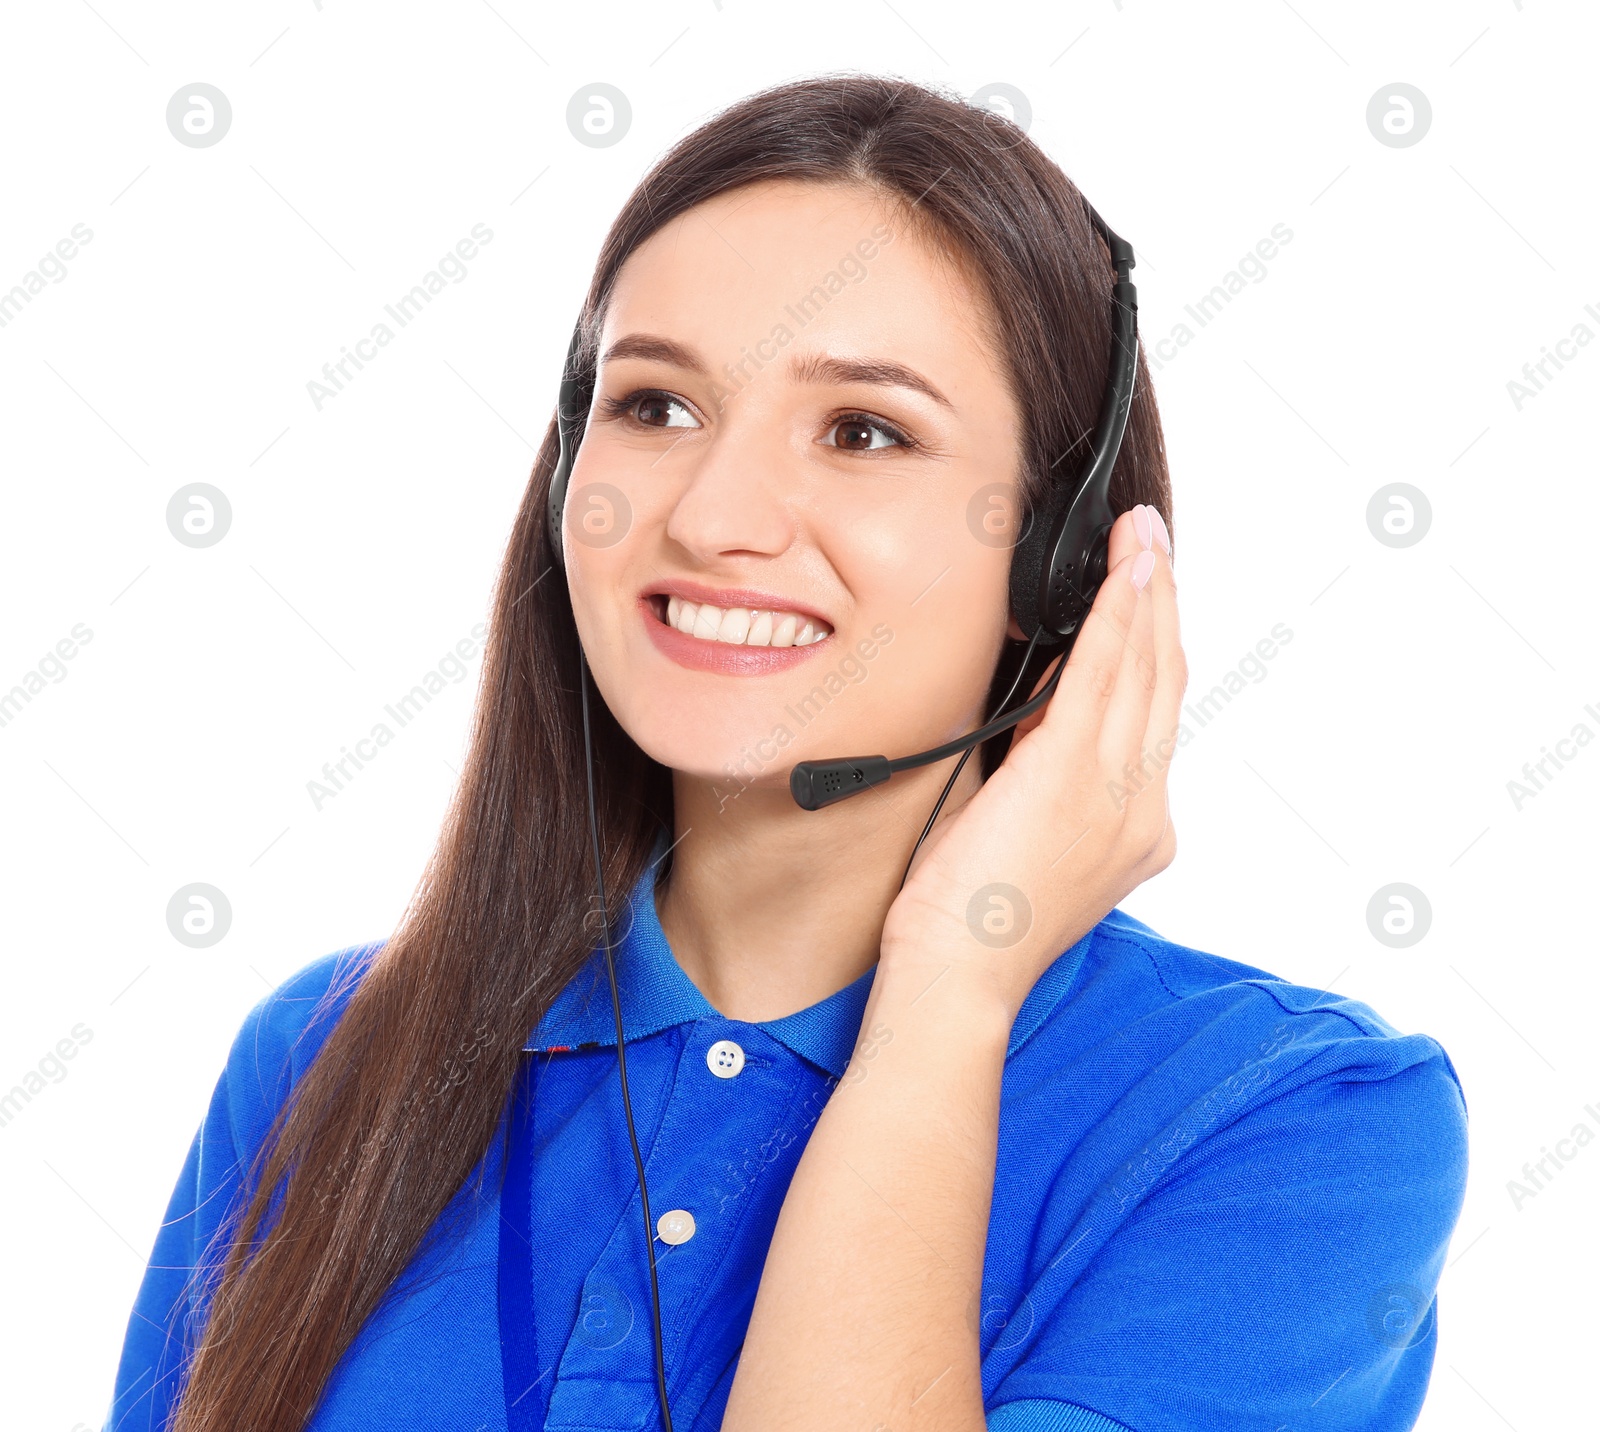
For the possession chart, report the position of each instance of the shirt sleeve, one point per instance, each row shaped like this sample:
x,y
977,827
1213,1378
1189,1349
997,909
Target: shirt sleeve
x,y
1281,1275
277,1040
160,1333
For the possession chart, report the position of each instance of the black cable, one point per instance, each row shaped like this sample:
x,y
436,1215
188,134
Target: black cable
x,y
622,1056
975,740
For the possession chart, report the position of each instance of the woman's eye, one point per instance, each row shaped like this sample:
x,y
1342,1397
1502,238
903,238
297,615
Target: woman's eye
x,y
653,410
858,433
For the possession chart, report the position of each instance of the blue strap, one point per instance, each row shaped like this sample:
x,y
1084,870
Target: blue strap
x,y
519,1356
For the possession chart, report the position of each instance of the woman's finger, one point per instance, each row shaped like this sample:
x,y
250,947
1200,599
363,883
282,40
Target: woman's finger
x,y
1130,534
1128,714
1077,710
1125,540
1172,666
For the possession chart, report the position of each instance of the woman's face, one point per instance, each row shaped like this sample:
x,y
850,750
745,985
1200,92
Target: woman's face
x,y
781,525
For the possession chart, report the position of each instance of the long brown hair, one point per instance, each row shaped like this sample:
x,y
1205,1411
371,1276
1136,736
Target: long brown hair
x,y
502,917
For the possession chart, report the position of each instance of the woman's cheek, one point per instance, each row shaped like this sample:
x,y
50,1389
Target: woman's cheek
x,y
601,593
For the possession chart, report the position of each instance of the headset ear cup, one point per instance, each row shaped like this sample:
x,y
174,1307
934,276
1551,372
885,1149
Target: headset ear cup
x,y
1027,570
556,498
571,405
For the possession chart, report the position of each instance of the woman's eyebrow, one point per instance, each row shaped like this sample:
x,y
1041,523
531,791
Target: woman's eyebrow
x,y
813,368
654,348
823,368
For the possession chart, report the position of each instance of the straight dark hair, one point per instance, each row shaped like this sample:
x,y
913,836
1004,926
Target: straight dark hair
x,y
378,1135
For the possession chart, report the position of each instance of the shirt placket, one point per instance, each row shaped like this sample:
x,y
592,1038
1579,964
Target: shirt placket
x,y
730,1086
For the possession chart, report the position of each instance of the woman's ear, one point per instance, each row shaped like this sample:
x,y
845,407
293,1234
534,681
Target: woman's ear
x,y
1014,631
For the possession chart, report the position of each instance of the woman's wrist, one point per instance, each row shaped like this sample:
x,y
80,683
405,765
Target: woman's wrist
x,y
924,980
995,974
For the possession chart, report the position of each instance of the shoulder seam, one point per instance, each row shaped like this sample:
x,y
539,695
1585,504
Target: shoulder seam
x,y
1254,982
1143,948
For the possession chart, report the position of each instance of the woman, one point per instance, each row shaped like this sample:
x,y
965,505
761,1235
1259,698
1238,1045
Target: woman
x,y
978,1149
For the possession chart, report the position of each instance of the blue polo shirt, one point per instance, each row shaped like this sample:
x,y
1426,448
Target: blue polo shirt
x,y
1221,1201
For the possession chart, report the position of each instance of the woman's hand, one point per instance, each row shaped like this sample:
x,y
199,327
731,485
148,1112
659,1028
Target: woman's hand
x,y
1076,816
885,1222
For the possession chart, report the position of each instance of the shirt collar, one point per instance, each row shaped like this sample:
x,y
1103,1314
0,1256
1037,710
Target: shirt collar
x,y
656,994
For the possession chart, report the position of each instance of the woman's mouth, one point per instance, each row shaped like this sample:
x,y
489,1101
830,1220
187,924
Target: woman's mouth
x,y
738,626
733,640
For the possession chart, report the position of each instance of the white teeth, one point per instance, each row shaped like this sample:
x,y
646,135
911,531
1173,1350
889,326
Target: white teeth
x,y
743,626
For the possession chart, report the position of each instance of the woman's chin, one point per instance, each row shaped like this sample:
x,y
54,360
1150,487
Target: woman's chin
x,y
756,758
740,760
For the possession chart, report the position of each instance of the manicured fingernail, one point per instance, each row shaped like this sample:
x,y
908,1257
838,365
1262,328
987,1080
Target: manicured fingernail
x,y
1162,535
1141,525
1143,565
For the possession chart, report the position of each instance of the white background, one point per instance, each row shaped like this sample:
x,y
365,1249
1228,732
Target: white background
x,y
366,141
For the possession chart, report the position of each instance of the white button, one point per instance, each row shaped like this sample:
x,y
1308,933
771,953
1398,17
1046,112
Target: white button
x,y
675,1226
725,1059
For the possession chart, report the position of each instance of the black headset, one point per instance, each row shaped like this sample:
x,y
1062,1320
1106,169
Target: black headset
x,y
1056,570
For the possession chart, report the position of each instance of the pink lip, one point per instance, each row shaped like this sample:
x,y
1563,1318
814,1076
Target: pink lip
x,y
719,656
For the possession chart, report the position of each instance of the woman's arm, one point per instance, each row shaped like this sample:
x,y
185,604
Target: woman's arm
x,y
867,1313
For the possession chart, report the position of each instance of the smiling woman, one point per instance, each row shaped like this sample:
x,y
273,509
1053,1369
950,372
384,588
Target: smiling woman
x,y
881,1115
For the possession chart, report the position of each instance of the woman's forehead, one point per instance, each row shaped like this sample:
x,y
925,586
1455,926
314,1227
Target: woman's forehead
x,y
823,266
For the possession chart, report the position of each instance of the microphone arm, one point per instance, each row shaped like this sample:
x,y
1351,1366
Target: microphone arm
x,y
815,784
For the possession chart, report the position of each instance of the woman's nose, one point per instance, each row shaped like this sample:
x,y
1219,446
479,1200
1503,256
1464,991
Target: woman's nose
x,y
735,497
